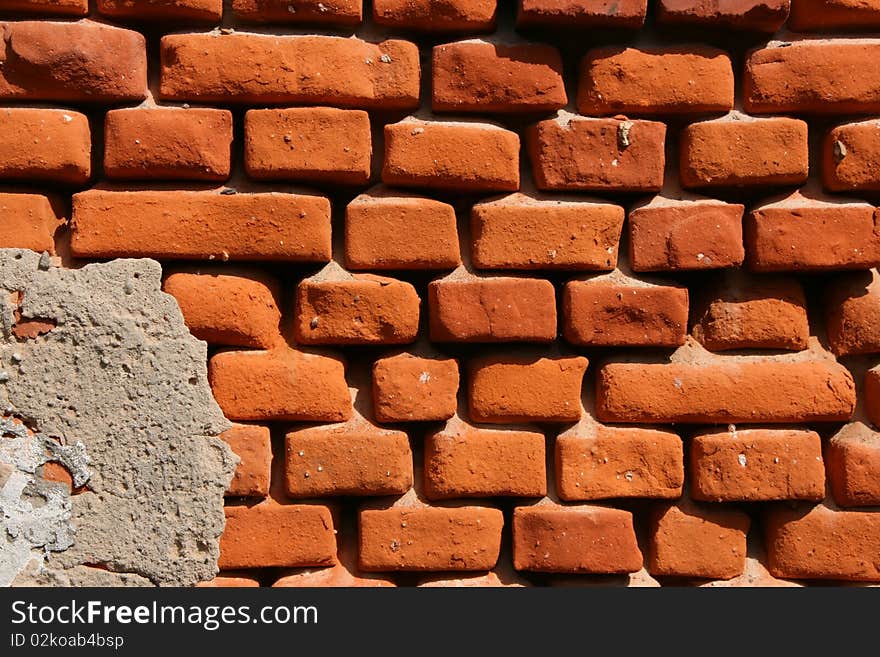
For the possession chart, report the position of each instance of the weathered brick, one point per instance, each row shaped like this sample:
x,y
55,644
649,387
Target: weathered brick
x,y
332,12
320,70
408,388
801,233
853,458
186,11
578,14
29,221
738,151
83,62
668,234
834,15
320,144
668,80
389,229
465,308
815,76
522,388
345,573
552,538
46,7
166,143
478,76
852,307
851,157
230,582
586,154
615,310
752,15
253,445
871,395
432,16
756,465
238,308
45,145
281,384
341,308
534,231
451,155
492,579
201,225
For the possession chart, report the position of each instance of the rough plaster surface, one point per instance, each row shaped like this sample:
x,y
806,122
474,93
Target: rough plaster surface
x,y
117,392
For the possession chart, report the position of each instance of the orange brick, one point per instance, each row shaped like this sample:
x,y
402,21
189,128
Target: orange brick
x,y
738,151
834,15
191,11
333,12
751,15
586,154
578,14
83,62
669,234
319,70
344,573
29,221
356,309
236,308
167,143
871,395
253,445
279,385
521,388
756,465
492,579
271,534
229,582
451,155
617,311
521,231
687,540
478,76
47,7
201,225
502,309
45,145
387,229
408,388
598,462
852,304
851,157
669,80
319,144
552,538
428,15
853,458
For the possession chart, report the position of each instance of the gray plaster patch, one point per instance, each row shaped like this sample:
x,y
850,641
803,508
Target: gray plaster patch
x,y
117,392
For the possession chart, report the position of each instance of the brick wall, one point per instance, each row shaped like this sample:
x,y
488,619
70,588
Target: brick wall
x,y
553,293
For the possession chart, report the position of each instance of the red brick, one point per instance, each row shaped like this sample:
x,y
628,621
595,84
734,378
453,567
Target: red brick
x,y
451,155
29,221
617,311
754,575
408,388
552,538
166,143
834,15
578,153
492,579
670,234
756,465
253,445
45,145
739,151
279,385
533,231
228,582
201,11
871,395
823,543
46,7
319,144
320,70
238,308
853,458
752,15
815,76
754,313
521,388
83,62
388,229
344,573
800,233
201,225
578,14
852,309
332,12
668,80
271,534
432,16
595,462
687,540
464,308
352,458
411,536
727,389
478,76
465,461
356,309
851,157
